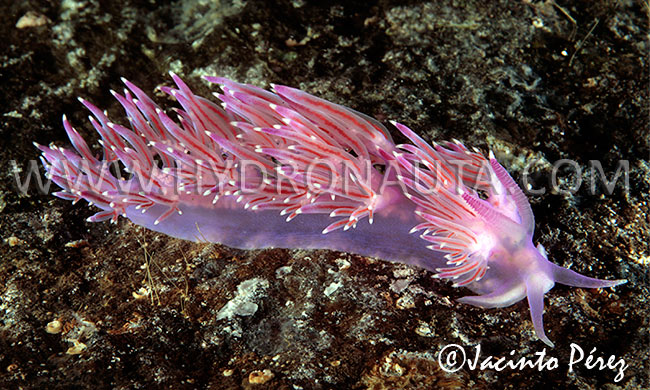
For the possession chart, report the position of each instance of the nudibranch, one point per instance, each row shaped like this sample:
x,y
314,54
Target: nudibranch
x,y
235,174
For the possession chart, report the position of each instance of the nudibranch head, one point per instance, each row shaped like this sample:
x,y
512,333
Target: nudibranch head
x,y
488,240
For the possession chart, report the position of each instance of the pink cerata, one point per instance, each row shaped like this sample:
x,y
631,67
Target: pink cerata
x,y
235,174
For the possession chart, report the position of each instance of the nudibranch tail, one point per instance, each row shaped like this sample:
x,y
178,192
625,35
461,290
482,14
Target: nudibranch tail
x,y
237,173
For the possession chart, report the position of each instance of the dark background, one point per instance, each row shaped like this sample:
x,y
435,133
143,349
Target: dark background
x,y
531,80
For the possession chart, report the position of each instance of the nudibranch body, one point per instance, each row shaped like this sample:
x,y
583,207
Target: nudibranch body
x,y
290,170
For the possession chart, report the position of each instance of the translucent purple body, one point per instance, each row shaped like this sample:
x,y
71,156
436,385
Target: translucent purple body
x,y
289,170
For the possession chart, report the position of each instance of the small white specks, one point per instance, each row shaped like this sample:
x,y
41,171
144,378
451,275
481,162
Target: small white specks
x,y
331,289
243,304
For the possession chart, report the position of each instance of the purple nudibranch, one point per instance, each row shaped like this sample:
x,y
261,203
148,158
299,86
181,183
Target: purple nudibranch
x,y
237,174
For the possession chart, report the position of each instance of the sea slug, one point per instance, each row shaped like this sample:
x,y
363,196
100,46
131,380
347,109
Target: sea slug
x,y
236,175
